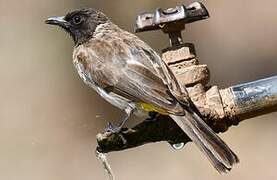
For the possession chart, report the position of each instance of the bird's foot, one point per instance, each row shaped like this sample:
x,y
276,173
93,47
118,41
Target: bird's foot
x,y
112,128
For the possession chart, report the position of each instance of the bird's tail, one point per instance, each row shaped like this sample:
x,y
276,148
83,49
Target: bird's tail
x,y
215,149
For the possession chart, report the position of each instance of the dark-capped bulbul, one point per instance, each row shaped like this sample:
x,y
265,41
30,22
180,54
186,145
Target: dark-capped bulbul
x,y
129,74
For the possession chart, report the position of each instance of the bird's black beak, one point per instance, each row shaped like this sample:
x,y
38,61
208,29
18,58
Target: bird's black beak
x,y
58,21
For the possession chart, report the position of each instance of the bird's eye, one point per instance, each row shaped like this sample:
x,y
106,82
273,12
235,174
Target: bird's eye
x,y
77,19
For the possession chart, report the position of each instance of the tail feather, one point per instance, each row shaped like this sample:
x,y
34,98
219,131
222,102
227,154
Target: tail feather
x,y
215,149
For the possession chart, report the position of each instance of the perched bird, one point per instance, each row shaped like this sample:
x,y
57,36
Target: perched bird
x,y
129,74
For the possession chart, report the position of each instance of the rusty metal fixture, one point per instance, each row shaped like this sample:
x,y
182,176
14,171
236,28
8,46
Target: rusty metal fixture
x,y
172,21
257,96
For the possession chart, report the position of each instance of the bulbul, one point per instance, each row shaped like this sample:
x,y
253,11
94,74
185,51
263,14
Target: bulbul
x,y
129,74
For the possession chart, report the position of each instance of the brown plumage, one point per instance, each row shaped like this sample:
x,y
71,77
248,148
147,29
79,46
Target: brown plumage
x,y
129,74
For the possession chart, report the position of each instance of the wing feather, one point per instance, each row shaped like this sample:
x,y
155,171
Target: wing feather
x,y
131,73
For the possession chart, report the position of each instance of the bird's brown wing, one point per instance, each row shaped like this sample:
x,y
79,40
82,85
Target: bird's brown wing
x,y
129,71
169,79
153,61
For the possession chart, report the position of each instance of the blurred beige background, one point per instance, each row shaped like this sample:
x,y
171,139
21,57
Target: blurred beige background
x,y
49,118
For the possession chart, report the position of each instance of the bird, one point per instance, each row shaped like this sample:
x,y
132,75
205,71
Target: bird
x,y
129,74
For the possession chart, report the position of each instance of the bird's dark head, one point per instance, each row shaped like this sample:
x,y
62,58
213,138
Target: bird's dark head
x,y
80,24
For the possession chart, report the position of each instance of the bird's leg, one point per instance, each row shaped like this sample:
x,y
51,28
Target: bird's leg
x,y
116,129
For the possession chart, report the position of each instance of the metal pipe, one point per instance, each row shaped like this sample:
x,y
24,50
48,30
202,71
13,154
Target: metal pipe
x,y
255,98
